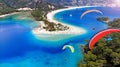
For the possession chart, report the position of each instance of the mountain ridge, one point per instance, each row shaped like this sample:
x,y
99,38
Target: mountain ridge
x,y
31,3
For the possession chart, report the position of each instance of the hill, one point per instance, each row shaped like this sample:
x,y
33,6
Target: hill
x,y
4,9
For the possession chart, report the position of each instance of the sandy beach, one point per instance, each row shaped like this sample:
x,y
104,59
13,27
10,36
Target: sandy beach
x,y
8,14
72,29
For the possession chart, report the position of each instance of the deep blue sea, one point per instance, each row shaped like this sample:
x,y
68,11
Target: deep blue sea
x,y
19,47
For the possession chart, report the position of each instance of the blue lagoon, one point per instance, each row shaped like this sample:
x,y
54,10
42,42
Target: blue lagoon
x,y
19,46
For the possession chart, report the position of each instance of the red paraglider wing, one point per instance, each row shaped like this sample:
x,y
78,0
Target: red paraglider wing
x,y
100,35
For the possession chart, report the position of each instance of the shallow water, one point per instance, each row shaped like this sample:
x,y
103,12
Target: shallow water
x,y
20,48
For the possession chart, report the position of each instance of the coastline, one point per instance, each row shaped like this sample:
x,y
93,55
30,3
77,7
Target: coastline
x,y
4,15
73,30
50,17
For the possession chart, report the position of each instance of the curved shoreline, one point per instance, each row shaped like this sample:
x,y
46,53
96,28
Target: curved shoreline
x,y
50,15
4,15
72,29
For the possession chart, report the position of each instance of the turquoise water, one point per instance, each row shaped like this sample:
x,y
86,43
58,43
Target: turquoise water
x,y
20,48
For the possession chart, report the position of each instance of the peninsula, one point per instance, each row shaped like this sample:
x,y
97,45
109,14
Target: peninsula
x,y
59,27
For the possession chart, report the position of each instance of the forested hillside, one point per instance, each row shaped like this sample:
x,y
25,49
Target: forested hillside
x,y
4,9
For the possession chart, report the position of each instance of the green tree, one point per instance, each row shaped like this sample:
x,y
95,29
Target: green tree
x,y
104,54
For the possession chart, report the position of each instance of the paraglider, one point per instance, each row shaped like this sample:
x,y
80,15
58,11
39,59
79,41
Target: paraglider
x,y
93,28
89,11
100,35
70,47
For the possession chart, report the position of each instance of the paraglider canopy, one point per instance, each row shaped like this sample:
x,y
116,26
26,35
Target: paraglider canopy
x,y
101,34
89,11
70,47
